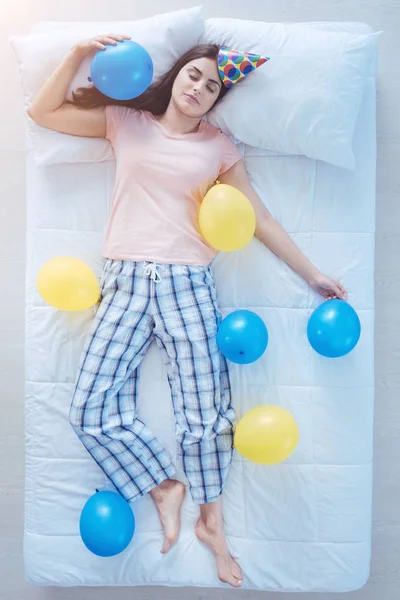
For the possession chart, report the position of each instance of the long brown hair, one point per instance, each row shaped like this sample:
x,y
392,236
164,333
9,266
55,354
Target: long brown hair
x,y
158,95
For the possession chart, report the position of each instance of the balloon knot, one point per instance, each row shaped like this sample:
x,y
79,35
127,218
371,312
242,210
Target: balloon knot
x,y
218,181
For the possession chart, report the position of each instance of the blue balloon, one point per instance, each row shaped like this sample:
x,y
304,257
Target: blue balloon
x,y
242,337
334,328
123,71
107,523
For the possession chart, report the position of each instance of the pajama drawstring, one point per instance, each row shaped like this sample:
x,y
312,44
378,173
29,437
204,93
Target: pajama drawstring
x,y
151,269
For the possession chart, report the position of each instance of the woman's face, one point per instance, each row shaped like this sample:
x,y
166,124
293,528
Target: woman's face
x,y
198,78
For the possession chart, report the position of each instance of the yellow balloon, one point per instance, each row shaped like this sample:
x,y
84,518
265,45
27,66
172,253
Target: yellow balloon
x,y
68,283
227,220
266,435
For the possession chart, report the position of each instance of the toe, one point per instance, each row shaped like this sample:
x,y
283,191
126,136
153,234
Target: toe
x,y
230,580
237,571
235,568
167,545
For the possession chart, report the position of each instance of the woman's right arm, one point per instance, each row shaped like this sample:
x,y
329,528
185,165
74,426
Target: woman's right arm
x,y
48,108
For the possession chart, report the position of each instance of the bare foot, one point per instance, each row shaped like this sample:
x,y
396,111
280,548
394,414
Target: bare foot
x,y
228,569
168,497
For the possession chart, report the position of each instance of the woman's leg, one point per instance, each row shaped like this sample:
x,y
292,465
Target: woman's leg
x,y
210,530
103,406
168,498
186,324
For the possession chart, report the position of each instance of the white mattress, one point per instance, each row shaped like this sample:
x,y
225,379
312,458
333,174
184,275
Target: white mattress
x,y
302,525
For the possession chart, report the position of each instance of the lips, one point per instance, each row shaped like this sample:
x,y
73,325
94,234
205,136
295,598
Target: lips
x,y
192,98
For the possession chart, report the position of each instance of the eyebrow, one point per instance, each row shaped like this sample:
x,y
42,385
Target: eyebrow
x,y
198,70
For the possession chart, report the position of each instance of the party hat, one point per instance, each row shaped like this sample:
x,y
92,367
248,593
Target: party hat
x,y
233,65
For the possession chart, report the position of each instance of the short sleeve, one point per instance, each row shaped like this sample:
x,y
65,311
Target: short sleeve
x,y
115,116
229,153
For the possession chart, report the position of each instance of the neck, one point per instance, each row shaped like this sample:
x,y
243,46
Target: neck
x,y
177,122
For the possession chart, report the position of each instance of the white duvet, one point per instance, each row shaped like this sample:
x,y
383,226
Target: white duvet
x,y
302,525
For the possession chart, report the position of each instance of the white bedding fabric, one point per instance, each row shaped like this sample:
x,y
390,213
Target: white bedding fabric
x,y
302,525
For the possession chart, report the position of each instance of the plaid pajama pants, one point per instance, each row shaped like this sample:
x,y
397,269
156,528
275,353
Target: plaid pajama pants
x,y
177,305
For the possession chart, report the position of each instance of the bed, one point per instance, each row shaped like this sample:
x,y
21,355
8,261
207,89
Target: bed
x,y
303,525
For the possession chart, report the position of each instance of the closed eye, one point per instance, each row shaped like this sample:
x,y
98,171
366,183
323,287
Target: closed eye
x,y
195,79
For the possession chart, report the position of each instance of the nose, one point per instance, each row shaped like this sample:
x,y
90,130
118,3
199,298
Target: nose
x,y
196,88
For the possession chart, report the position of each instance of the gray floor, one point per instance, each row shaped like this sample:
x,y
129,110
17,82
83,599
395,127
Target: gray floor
x,y
16,18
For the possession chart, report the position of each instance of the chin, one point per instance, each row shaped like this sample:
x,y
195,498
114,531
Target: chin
x,y
190,106
191,111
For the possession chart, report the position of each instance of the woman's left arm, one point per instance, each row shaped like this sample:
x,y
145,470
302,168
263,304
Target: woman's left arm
x,y
277,240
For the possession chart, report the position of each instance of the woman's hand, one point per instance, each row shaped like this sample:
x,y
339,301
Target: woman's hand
x,y
328,288
92,45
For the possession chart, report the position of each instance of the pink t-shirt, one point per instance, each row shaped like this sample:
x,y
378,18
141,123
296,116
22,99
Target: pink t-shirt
x,y
161,180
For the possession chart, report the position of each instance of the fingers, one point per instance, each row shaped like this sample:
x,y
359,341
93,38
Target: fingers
x,y
117,36
339,293
344,293
111,39
108,40
330,289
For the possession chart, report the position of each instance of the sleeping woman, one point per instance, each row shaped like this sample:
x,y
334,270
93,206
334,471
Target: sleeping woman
x,y
157,282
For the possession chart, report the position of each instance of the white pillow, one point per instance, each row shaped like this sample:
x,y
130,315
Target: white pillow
x,y
165,36
306,98
53,147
